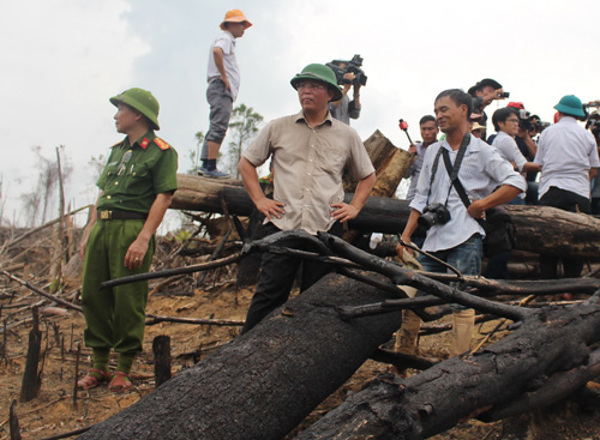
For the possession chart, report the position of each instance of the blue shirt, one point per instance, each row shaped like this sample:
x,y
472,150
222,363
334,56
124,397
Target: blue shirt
x,y
481,172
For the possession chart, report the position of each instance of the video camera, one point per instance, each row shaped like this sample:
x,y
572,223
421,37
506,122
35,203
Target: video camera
x,y
524,120
341,67
529,122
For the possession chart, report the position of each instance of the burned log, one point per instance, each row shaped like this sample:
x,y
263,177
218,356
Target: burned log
x,y
539,229
484,384
552,231
265,382
202,194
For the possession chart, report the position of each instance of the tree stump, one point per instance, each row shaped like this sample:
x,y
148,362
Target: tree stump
x,y
161,347
31,379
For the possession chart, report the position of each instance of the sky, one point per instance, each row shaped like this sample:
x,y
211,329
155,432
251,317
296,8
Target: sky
x,y
62,59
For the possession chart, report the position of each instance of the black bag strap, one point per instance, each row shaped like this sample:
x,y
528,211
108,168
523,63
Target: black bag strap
x,y
453,173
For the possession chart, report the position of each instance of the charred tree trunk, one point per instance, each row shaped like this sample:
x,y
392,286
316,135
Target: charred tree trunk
x,y
31,379
552,231
390,165
261,385
161,347
484,384
539,229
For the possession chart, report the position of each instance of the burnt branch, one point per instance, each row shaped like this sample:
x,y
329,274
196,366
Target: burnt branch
x,y
400,275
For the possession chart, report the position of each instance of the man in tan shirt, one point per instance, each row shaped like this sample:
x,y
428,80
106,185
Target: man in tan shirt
x,y
310,151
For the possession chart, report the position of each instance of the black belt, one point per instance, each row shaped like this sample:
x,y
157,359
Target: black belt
x,y
116,214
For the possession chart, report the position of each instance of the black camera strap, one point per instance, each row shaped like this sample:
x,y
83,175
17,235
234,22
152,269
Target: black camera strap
x,y
452,169
453,173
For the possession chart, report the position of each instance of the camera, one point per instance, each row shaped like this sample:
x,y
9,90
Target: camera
x,y
341,67
524,121
503,95
434,214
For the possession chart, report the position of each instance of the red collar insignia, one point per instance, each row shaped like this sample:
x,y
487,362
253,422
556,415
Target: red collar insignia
x,y
144,143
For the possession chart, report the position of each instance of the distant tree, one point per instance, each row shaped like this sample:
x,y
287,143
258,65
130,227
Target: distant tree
x,y
97,165
37,202
195,155
243,128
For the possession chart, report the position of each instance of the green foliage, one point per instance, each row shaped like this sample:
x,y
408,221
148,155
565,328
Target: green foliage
x,y
183,235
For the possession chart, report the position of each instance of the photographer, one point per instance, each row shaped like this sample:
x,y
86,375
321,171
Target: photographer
x,y
344,109
483,93
455,235
508,125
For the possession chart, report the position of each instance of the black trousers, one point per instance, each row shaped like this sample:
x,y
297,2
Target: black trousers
x,y
278,273
567,201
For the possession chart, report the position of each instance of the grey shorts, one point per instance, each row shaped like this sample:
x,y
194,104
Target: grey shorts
x,y
221,105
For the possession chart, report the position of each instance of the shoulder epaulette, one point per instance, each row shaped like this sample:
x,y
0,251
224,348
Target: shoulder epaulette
x,y
161,144
117,144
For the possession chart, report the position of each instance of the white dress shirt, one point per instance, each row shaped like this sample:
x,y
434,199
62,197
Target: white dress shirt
x,y
482,171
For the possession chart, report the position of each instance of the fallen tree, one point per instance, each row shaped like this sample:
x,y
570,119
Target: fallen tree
x,y
539,229
548,358
264,383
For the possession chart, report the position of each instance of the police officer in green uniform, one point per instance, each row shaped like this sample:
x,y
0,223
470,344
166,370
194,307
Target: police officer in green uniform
x,y
137,186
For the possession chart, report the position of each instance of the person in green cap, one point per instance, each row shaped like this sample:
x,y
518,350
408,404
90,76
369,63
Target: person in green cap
x,y
568,155
136,185
310,151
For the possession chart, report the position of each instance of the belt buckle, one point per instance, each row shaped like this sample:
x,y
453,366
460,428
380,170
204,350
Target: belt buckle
x,y
105,215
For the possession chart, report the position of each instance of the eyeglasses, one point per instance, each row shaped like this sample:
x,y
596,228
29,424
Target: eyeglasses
x,y
513,120
310,85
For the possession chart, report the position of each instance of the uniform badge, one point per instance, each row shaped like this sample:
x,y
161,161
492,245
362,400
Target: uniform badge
x,y
161,144
144,143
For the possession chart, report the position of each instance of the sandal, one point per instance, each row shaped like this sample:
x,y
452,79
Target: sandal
x,y
90,381
120,383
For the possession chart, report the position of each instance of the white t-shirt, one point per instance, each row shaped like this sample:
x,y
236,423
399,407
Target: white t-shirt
x,y
226,41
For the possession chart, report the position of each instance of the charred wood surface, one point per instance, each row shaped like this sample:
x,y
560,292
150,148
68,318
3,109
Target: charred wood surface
x,y
261,385
552,231
31,378
539,229
547,344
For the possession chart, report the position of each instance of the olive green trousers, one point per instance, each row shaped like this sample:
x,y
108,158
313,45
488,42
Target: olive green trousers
x,y
115,317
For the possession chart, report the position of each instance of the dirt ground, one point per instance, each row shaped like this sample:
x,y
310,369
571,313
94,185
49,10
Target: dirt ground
x,y
53,411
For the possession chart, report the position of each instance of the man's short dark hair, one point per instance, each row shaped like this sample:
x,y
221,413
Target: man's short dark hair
x,y
459,97
427,118
501,115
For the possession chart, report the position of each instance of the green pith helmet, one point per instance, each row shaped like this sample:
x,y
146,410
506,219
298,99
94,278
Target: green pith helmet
x,y
319,72
570,105
141,100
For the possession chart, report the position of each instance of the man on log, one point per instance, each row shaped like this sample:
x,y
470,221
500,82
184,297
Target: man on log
x,y
568,156
137,186
454,232
310,151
